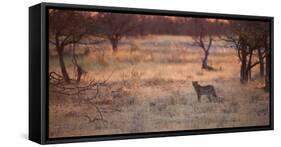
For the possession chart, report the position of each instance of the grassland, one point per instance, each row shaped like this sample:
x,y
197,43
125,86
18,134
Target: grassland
x,y
149,90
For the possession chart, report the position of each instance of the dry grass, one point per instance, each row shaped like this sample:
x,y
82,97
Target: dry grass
x,y
150,91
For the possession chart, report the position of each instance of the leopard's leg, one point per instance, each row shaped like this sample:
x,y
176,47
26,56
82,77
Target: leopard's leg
x,y
209,97
199,98
214,93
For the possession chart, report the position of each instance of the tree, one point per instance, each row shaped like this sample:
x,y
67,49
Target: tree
x,y
66,28
266,43
202,33
248,38
115,26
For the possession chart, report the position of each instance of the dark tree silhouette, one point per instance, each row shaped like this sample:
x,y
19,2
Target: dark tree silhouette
x,y
202,33
250,40
115,26
266,43
66,28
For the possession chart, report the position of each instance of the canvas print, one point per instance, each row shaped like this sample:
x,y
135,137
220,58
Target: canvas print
x,y
121,73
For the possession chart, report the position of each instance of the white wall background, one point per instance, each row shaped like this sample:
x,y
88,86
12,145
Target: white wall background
x,y
14,71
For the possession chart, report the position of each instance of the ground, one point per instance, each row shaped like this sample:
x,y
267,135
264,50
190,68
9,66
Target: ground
x,y
149,89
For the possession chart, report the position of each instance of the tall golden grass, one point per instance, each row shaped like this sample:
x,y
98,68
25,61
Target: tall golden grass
x,y
155,90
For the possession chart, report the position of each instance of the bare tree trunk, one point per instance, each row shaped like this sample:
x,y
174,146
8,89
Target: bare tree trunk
x,y
79,70
60,48
267,68
206,53
62,65
205,60
114,45
243,68
267,73
249,65
261,63
249,72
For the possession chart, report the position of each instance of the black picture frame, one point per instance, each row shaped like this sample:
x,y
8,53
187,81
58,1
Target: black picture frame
x,y
38,71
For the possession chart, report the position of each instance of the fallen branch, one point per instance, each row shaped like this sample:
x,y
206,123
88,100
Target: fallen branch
x,y
82,92
93,120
